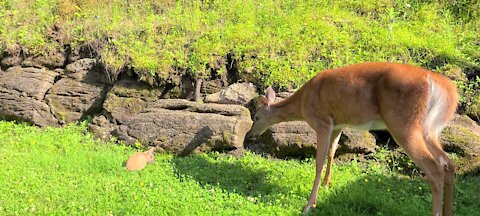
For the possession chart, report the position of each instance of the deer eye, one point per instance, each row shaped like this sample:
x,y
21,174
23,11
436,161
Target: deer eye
x,y
256,118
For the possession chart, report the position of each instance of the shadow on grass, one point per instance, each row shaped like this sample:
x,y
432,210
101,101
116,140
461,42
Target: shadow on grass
x,y
377,195
231,176
370,195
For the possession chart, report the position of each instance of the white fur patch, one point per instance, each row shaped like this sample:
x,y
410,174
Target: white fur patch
x,y
437,104
372,125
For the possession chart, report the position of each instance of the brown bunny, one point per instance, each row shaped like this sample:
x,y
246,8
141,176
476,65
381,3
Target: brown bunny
x,y
139,160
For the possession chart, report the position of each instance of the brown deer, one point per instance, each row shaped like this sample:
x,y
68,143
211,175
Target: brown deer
x,y
412,103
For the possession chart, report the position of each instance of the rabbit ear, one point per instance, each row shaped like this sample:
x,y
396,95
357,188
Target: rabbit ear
x,y
151,150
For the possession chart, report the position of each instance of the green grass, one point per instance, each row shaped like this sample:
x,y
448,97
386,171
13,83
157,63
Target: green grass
x,y
65,171
278,43
273,42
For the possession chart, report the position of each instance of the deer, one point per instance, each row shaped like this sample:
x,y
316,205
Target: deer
x,y
412,103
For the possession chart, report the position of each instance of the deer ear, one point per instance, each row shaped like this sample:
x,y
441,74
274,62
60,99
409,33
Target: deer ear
x,y
263,101
270,94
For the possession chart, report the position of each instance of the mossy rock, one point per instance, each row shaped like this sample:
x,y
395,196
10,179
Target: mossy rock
x,y
131,95
462,137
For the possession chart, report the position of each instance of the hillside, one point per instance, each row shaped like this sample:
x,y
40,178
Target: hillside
x,y
279,43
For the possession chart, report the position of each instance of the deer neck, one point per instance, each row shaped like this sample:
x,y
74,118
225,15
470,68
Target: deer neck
x,y
288,109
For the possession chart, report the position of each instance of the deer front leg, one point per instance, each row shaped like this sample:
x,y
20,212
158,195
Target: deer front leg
x,y
323,141
335,137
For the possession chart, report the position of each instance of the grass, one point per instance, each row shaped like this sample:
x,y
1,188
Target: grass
x,y
272,42
267,42
65,171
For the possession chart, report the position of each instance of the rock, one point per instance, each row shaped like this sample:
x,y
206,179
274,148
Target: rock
x,y
79,69
290,139
356,141
32,82
130,96
179,86
212,86
462,137
71,100
51,61
85,50
297,139
239,93
282,95
174,125
22,92
13,56
179,126
80,92
101,127
454,72
278,97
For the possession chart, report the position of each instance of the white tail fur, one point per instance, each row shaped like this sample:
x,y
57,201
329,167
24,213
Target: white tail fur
x,y
438,104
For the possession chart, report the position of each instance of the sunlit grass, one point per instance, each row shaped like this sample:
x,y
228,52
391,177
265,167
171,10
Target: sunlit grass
x,y
65,171
278,43
282,43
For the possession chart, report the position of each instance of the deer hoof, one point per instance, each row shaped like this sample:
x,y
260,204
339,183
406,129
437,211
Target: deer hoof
x,y
308,208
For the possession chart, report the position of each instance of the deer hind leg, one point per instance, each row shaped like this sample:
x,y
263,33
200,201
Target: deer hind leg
x,y
411,139
335,137
433,144
323,131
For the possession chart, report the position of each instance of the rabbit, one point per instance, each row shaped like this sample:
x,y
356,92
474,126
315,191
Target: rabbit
x,y
139,160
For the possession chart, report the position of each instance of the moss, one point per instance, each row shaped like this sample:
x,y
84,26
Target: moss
x,y
474,108
462,140
370,139
467,165
283,43
227,136
62,115
461,136
163,138
133,105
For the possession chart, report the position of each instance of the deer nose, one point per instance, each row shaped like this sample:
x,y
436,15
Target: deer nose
x,y
249,135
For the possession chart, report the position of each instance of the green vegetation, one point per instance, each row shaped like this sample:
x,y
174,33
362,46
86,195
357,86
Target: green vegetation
x,y
272,42
280,43
65,171
284,43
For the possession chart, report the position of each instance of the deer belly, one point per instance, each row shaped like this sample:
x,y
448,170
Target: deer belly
x,y
372,125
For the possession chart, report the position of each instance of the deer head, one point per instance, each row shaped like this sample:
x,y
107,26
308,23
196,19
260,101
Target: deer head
x,y
264,116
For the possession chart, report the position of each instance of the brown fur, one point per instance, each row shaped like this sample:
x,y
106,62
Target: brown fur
x,y
139,160
397,96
